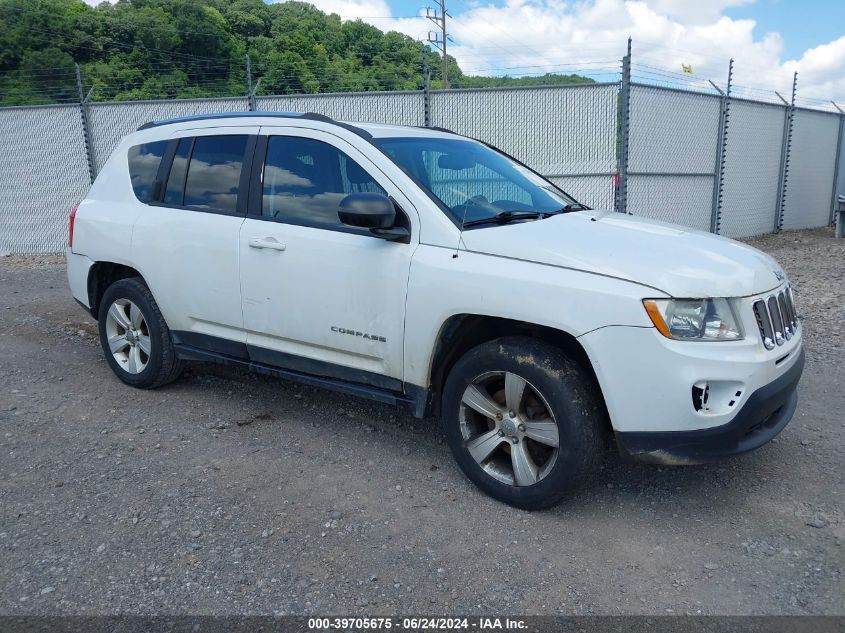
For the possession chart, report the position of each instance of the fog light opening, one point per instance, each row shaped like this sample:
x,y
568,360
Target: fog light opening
x,y
700,395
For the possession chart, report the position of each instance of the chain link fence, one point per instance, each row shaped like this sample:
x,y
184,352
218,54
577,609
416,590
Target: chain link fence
x,y
774,176
811,170
672,155
43,172
570,133
110,122
752,168
566,133
396,108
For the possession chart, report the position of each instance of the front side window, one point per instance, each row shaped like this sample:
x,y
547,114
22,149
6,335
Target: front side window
x,y
471,180
214,173
144,161
305,180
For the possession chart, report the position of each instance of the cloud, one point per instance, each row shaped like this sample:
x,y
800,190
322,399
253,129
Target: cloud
x,y
695,12
822,69
536,36
354,8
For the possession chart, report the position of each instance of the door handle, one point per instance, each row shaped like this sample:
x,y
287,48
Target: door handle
x,y
266,242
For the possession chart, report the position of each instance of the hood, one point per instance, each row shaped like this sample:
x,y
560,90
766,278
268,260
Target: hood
x,y
680,262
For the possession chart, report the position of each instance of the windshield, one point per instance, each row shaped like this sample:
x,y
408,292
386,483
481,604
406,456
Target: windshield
x,y
472,181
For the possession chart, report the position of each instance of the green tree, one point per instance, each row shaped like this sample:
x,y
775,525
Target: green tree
x,y
164,49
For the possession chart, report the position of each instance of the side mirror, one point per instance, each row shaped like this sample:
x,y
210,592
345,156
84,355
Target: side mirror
x,y
373,211
367,210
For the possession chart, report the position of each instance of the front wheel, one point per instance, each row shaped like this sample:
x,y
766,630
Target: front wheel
x,y
523,420
135,337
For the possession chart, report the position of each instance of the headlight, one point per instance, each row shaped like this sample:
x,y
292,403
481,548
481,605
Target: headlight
x,y
694,319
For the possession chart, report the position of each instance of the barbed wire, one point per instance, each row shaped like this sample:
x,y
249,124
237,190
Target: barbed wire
x,y
59,85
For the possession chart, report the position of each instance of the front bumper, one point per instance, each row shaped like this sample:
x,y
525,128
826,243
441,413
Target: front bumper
x,y
765,414
652,387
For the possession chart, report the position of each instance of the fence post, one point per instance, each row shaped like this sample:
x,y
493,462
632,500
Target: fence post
x,y
622,131
784,158
250,93
721,146
86,125
836,165
426,90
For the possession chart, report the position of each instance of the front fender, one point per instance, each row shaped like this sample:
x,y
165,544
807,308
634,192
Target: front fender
x,y
442,285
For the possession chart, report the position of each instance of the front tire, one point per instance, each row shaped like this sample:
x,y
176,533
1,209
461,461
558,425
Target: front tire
x,y
523,420
135,337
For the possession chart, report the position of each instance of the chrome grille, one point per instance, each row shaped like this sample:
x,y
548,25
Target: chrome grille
x,y
776,318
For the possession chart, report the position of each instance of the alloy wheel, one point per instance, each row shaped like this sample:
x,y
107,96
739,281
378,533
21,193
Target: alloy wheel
x,y
508,428
128,336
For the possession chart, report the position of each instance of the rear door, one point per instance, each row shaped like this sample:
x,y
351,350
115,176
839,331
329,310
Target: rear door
x,y
187,241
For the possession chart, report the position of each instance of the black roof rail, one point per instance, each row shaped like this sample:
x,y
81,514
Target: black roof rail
x,y
311,116
437,128
216,115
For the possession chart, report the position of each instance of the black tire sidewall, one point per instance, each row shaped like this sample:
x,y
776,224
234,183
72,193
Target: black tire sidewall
x,y
563,384
134,291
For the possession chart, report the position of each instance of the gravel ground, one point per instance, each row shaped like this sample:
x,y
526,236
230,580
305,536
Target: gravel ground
x,y
230,493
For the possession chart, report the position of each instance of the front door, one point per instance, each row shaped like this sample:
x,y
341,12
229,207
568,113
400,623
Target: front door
x,y
320,296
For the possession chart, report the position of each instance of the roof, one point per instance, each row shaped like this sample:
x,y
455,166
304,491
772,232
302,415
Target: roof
x,y
362,129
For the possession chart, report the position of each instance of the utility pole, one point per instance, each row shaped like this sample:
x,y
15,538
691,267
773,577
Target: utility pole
x,y
439,41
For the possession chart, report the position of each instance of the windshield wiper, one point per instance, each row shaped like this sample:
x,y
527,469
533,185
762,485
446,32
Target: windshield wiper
x,y
503,217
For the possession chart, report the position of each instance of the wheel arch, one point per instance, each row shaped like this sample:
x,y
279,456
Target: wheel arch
x,y
103,274
461,332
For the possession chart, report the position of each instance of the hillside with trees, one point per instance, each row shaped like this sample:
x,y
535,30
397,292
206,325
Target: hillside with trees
x,y
164,49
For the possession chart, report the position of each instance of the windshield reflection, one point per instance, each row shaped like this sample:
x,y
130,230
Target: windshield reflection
x,y
472,181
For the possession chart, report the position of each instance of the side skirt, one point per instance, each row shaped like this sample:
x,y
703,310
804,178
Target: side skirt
x,y
415,401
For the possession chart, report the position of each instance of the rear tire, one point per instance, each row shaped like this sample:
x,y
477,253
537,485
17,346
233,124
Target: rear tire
x,y
523,420
134,336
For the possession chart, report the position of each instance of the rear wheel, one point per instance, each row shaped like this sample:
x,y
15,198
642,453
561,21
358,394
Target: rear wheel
x,y
135,337
523,421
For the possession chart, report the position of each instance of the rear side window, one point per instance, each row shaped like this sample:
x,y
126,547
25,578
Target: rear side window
x,y
214,173
144,161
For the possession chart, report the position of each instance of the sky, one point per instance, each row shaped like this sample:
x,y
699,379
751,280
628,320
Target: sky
x,y
768,39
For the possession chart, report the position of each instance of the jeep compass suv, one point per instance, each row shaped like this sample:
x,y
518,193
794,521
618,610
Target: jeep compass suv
x,y
422,268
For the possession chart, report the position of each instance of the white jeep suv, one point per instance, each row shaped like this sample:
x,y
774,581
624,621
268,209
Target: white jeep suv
x,y
425,269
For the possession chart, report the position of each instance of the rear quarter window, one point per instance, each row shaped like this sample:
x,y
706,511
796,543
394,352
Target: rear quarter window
x,y
144,161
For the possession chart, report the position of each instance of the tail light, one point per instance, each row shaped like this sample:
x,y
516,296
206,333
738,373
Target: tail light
x,y
70,226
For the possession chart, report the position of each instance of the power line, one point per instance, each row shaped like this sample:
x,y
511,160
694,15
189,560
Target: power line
x,y
378,17
505,34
